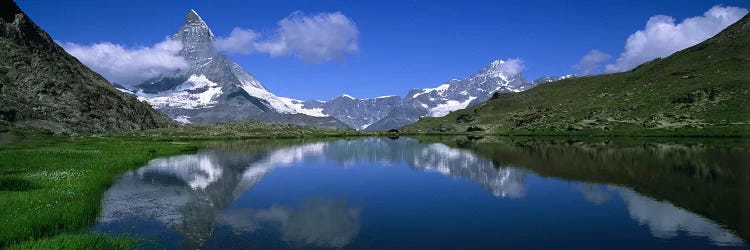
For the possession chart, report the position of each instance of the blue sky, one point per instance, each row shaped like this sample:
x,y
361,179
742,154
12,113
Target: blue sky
x,y
402,44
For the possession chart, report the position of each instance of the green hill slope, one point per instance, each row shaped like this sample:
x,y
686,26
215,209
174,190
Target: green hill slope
x,y
43,87
700,91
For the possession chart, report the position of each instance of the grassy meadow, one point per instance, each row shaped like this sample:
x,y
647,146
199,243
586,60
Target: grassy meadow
x,y
54,185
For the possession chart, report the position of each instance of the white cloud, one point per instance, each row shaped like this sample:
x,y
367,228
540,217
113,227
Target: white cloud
x,y
240,41
130,66
591,62
662,36
511,67
316,38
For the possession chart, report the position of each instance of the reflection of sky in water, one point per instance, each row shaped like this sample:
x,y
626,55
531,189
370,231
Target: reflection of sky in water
x,y
346,193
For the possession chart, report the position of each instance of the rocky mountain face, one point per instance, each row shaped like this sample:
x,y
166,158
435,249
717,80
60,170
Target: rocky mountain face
x,y
216,89
457,94
43,87
357,113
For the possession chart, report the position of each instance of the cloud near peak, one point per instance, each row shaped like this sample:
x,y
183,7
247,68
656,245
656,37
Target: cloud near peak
x,y
130,66
662,36
512,66
313,38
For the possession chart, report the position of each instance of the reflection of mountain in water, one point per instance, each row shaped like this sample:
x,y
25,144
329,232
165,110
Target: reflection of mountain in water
x,y
434,157
188,193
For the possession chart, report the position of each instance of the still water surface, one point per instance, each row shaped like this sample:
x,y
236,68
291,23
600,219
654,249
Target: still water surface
x,y
383,193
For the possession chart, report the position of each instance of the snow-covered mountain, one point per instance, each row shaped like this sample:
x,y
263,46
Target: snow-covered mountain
x,y
388,112
355,112
216,89
457,94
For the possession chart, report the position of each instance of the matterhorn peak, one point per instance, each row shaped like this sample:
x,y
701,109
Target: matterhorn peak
x,y
195,25
197,39
193,17
496,63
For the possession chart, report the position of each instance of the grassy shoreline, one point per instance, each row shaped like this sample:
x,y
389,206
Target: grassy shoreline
x,y
54,185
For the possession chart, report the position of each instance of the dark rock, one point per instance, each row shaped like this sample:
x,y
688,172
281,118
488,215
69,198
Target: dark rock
x,y
43,87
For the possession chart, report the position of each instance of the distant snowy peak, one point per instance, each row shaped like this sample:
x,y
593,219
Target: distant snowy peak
x,y
498,76
548,79
349,97
460,93
355,112
494,70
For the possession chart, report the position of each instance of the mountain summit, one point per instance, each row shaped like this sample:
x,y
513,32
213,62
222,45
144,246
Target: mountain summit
x,y
197,39
216,89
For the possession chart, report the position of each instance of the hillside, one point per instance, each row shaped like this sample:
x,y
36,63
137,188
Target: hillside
x,y
43,87
703,90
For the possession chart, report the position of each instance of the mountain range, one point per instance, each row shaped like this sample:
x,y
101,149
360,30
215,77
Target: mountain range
x,y
216,89
701,91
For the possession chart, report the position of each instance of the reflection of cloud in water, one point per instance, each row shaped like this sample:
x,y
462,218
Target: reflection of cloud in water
x,y
594,193
666,220
320,222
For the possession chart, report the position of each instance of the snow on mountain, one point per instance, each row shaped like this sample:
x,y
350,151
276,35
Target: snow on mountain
x,y
451,105
216,89
498,76
299,107
196,92
387,112
355,112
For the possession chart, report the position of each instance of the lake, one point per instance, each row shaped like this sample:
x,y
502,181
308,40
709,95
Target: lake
x,y
439,193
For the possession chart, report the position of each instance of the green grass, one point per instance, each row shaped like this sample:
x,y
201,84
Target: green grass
x,y
53,185
78,241
700,91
